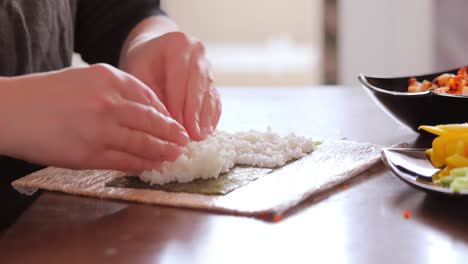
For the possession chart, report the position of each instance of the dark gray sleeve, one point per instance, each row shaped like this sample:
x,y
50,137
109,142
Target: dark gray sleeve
x,y
101,26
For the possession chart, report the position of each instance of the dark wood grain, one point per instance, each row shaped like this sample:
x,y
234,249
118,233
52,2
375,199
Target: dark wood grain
x,y
362,223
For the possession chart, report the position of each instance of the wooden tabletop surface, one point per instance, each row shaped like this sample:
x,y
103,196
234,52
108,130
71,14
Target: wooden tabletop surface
x,y
362,223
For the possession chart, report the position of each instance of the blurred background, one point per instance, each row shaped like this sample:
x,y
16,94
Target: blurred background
x,y
315,42
257,42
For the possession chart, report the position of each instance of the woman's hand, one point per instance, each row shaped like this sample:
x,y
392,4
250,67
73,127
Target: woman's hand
x,y
175,67
94,117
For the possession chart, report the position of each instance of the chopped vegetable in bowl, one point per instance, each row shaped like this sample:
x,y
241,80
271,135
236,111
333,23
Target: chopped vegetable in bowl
x,y
444,83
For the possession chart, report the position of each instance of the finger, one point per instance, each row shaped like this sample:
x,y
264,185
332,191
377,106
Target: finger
x,y
122,161
197,88
176,84
218,109
210,113
135,90
152,77
142,145
157,88
146,119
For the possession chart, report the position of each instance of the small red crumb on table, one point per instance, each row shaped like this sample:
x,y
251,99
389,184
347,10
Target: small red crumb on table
x,y
406,214
277,218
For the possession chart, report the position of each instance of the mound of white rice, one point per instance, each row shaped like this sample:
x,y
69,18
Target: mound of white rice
x,y
219,152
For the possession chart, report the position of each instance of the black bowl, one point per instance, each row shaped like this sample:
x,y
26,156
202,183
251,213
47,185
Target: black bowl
x,y
415,109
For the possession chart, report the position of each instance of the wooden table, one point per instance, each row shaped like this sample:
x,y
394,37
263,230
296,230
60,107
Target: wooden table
x,y
360,224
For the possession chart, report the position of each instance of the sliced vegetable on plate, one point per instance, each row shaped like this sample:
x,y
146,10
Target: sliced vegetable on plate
x,y
449,152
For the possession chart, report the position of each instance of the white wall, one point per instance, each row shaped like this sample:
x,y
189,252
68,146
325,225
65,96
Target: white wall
x,y
384,38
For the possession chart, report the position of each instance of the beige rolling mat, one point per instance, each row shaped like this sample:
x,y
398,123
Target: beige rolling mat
x,y
272,192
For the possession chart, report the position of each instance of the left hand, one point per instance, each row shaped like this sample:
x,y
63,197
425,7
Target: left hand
x,y
174,65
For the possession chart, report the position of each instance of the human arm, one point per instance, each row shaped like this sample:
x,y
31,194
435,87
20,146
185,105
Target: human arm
x,y
84,118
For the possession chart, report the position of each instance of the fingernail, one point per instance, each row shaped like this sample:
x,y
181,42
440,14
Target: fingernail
x,y
207,131
179,151
182,138
197,127
155,166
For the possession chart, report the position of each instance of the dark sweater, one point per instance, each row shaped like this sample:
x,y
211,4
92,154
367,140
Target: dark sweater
x,y
41,35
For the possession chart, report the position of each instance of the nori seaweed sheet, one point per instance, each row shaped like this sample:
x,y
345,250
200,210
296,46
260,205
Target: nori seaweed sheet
x,y
237,177
225,183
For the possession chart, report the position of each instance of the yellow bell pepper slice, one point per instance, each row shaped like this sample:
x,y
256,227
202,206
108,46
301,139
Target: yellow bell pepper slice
x,y
449,152
447,145
439,151
454,128
433,129
428,153
445,129
442,173
456,161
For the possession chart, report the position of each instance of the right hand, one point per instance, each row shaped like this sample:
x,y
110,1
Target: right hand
x,y
93,117
175,66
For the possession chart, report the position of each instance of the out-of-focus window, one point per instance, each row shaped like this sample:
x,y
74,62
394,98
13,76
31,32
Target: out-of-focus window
x,y
256,42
